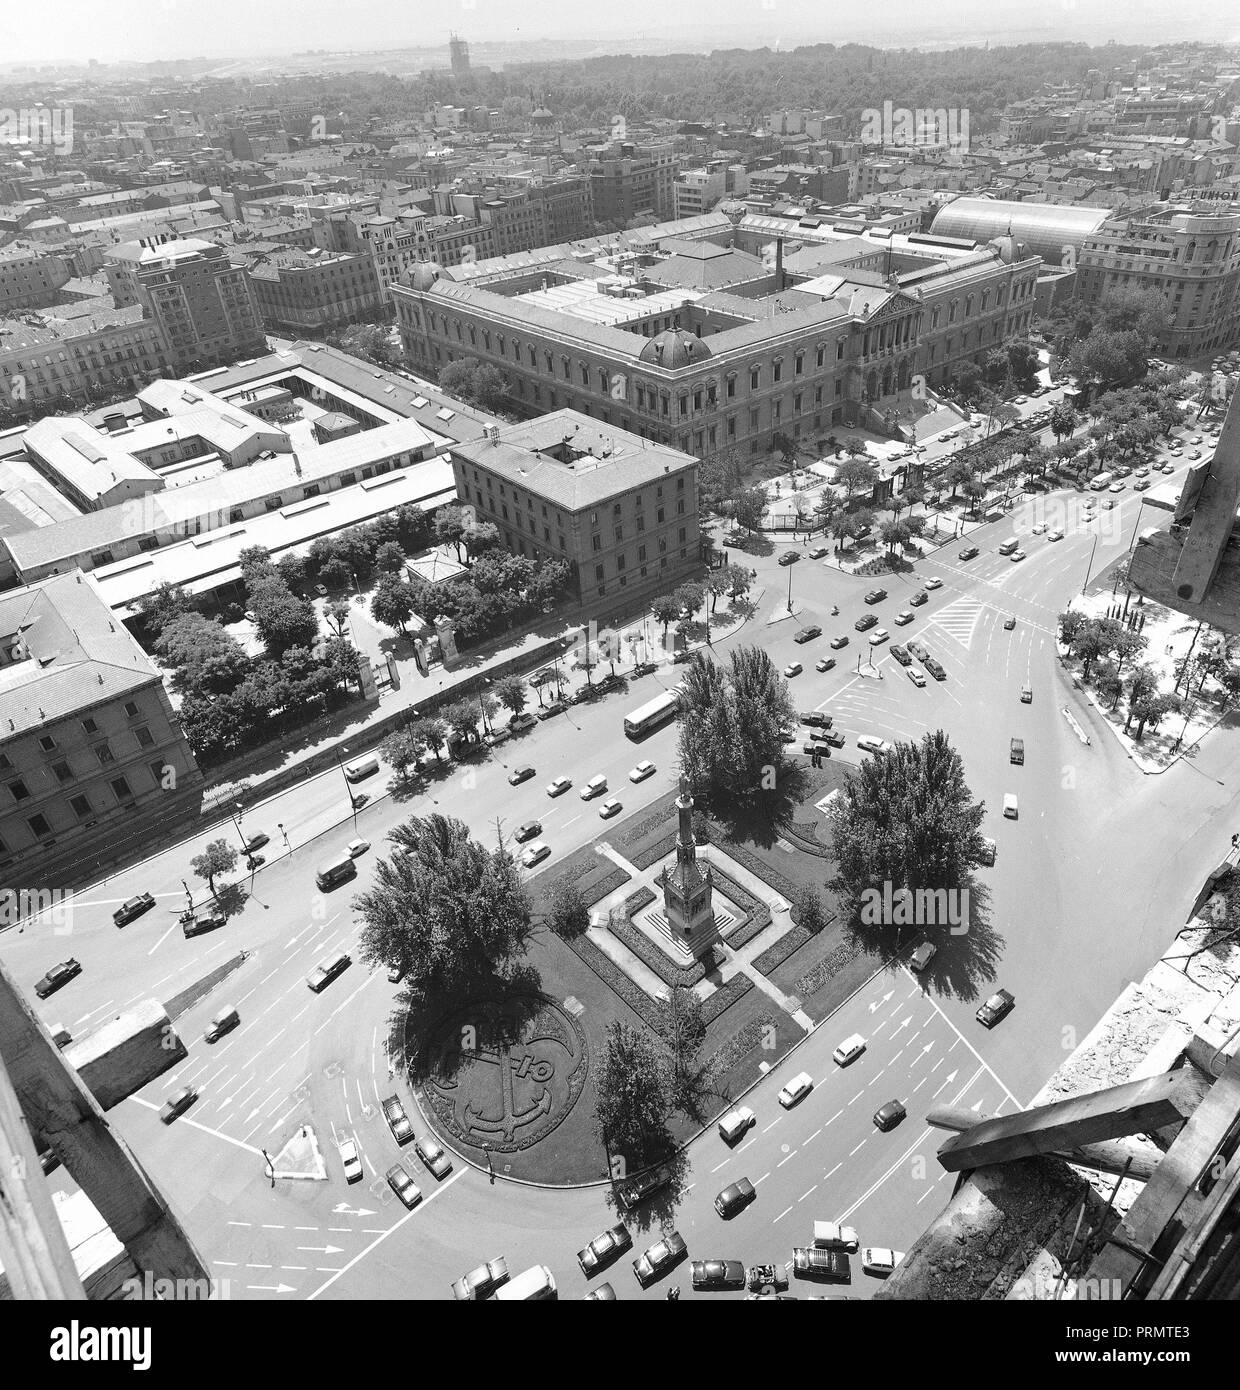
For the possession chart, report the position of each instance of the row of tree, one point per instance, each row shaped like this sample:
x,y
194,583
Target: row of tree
x,y
1104,646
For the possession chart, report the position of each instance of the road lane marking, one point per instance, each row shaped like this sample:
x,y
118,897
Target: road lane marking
x,y
810,1193
859,1146
782,1161
812,1137
763,1178
961,1038
782,1214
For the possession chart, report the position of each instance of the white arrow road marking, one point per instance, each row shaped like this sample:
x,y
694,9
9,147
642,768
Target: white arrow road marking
x,y
270,1288
878,1003
320,1249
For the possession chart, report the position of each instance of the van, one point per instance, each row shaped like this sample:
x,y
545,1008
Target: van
x,y
596,786
537,1282
735,1123
1010,809
1017,754
224,1021
335,872
361,767
1101,482
326,971
1009,546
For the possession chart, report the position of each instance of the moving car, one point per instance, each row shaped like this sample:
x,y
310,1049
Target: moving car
x,y
870,743
934,582
879,636
989,850
865,622
431,1153
793,668
178,1103
660,1256
807,634
888,1116
789,557
816,1262
403,1185
603,1294
604,1248
527,831
57,977
917,676
1009,623
819,552
255,842
482,1282
1010,808
643,770
645,1185
970,552
356,848
717,1274
534,854
903,618
880,1262
519,775
1054,535
131,908
733,1125
1017,556
397,1120
827,663
735,1197
838,642
558,786
222,1021
849,1050
596,786
876,596
922,956
351,1160
326,971
1026,694
996,1008
1016,752
830,1235
901,654
1141,485
796,1090
610,807
1039,529
919,598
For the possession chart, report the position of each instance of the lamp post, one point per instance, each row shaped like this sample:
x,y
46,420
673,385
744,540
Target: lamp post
x,y
789,588
284,836
1090,566
235,816
347,786
482,706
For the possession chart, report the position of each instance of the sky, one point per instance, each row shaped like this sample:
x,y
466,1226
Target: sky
x,y
75,30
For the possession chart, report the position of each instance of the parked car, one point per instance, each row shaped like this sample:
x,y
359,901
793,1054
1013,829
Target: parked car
x,y
397,1120
638,1189
520,722
735,1197
871,743
643,770
796,1090
889,1115
482,1282
659,1257
132,908
817,1262
835,738
558,786
717,1274
935,669
919,598
57,977
519,775
919,651
431,1152
879,636
996,1008
356,848
807,634
604,1248
403,1185
880,1262
603,1294
816,720
849,1050
838,642
551,709
917,676
396,973
178,1103
934,582
903,618
866,622
830,1235
970,552
827,663
734,1124
793,668
1009,623
527,831
876,596
901,654
922,956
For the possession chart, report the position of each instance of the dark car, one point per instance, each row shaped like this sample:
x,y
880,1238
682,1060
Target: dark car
x,y
920,652
876,596
935,669
520,722
818,721
528,831
553,708
901,655
131,908
864,623
838,642
403,1185
57,976
807,634
519,775
717,1274
888,1116
1009,623
194,924
996,1008
735,1197
433,1155
919,598
827,663
789,557
662,1255
178,1104
397,1120
604,1248
256,842
835,738
643,1186
970,552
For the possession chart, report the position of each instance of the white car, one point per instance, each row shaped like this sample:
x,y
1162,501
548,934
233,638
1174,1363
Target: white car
x,y
880,1262
794,668
903,617
643,770
559,786
879,636
934,582
849,1050
596,786
796,1090
1039,529
535,853
868,743
610,807
916,675
351,1159
1117,487
355,848
1054,535
1017,556
734,1124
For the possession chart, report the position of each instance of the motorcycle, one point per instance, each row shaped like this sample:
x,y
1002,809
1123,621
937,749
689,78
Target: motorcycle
x,y
835,610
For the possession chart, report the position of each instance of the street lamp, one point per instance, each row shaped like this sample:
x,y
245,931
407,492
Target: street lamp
x,y
1090,566
343,749
789,588
235,816
284,835
483,707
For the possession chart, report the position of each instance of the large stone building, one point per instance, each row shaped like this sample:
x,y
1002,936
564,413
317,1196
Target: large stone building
x,y
87,734
308,291
30,276
621,509
704,336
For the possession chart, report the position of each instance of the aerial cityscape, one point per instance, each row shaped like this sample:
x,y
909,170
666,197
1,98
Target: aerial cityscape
x,y
620,668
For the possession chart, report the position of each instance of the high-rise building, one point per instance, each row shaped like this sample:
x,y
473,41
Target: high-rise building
x,y
458,49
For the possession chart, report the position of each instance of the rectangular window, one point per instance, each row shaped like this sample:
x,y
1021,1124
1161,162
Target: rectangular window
x,y
79,806
62,772
131,710
158,770
104,754
47,743
20,791
121,787
144,736
598,572
596,542
39,827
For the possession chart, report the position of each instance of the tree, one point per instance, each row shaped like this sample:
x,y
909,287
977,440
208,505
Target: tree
x,y
683,1028
512,692
665,609
784,447
433,732
749,507
461,717
450,527
448,911
1108,682
1142,683
716,586
566,912
481,537
1151,709
1070,624
392,602
334,573
632,1106
959,473
907,818
856,473
739,579
402,750
1088,645
807,908
217,858
689,598
390,557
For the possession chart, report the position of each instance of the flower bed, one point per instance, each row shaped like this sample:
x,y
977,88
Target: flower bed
x,y
636,901
774,956
813,980
672,975
745,1040
661,848
757,916
757,866
724,997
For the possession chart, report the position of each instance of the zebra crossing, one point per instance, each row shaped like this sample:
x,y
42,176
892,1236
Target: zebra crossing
x,y
959,619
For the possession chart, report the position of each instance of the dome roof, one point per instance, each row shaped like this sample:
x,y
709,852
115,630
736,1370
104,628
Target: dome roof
x,y
542,114
423,274
1010,248
675,348
733,209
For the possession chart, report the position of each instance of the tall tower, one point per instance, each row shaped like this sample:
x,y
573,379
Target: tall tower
x,y
459,51
687,887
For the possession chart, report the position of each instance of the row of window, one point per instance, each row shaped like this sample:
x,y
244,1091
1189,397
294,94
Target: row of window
x,y
82,808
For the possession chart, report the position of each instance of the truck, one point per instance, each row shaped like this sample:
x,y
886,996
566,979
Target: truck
x,y
815,1262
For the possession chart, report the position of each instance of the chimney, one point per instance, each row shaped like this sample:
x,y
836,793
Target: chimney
x,y
779,264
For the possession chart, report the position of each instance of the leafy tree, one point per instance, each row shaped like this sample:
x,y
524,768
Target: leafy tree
x,y
716,586
566,912
784,447
907,818
749,507
165,605
683,1028
390,557
512,692
665,609
959,473
856,473
461,717
432,731
632,1106
739,579
391,603
1151,709
1108,682
337,614
450,526
689,598
1142,683
217,858
1088,645
1070,623
808,909
402,751
443,907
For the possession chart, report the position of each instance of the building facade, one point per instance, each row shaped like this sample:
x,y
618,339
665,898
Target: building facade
x,y
308,291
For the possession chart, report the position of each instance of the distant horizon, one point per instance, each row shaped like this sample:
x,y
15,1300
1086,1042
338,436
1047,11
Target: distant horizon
x,y
279,32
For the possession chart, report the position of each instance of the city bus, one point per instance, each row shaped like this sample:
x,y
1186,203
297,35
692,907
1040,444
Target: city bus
x,y
653,713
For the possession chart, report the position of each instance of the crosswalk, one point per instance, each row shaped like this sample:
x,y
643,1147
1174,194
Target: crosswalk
x,y
959,619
